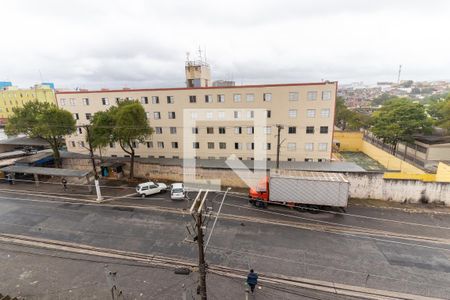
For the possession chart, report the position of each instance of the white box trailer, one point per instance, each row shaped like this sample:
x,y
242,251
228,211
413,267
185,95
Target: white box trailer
x,y
313,188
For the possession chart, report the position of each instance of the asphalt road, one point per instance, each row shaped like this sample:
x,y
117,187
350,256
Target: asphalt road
x,y
402,264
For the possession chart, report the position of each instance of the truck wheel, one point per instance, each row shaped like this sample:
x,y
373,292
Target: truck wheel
x,y
143,196
314,209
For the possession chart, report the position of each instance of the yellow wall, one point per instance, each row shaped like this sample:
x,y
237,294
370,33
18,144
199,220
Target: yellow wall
x,y
443,172
13,97
350,141
407,176
389,161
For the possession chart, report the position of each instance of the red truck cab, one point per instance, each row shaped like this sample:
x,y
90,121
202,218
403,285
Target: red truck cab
x,y
261,191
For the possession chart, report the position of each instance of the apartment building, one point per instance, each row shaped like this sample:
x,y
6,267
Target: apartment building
x,y
225,116
12,96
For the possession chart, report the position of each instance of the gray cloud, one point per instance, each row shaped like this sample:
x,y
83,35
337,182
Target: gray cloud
x,y
143,43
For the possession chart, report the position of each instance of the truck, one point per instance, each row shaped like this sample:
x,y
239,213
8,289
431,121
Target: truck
x,y
301,189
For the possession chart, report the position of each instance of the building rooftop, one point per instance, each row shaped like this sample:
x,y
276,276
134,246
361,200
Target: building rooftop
x,y
193,88
24,141
433,139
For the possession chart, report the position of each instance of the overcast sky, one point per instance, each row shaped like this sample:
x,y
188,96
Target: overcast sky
x,y
132,43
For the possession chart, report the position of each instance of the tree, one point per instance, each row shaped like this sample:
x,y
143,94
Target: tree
x,y
125,124
439,110
398,120
383,98
347,119
42,120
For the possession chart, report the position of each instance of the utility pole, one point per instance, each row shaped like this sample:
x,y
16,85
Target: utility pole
x,y
197,213
279,127
94,167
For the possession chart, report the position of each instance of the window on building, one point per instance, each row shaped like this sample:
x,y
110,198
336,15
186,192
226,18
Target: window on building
x,y
222,145
293,96
105,101
173,130
209,115
155,100
134,145
209,130
62,102
267,146
194,130
290,159
88,116
171,115
80,130
81,143
86,101
196,145
76,116
237,97
309,159
250,146
117,100
267,129
221,115
311,113
208,98
323,129
325,112
310,129
323,146
292,130
237,114
210,145
144,100
312,95
221,98
326,95
72,101
221,130
149,144
267,97
73,144
192,99
291,146
292,113
250,114
250,97
194,115
161,145
111,145
170,100
158,130
156,115
237,146
147,114
175,145
250,130
238,130
309,147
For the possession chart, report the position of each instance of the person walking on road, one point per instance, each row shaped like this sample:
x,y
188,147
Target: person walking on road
x,y
252,280
64,183
10,179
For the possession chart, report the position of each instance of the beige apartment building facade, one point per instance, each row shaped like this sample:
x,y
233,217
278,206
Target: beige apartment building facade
x,y
305,110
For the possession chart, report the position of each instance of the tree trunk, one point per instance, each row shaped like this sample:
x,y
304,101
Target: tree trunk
x,y
132,164
57,157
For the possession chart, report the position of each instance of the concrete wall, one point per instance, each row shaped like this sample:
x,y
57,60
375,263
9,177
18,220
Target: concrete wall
x,y
373,186
362,185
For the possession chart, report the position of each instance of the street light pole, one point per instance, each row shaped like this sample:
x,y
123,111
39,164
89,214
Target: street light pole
x,y
279,127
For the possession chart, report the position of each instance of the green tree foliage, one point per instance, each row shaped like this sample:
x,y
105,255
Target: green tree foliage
x,y
125,124
43,120
398,120
439,111
347,119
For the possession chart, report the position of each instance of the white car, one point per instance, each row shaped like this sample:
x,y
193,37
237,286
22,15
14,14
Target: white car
x,y
177,191
150,188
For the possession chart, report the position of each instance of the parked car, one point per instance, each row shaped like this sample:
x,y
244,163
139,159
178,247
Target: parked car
x,y
177,191
150,188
